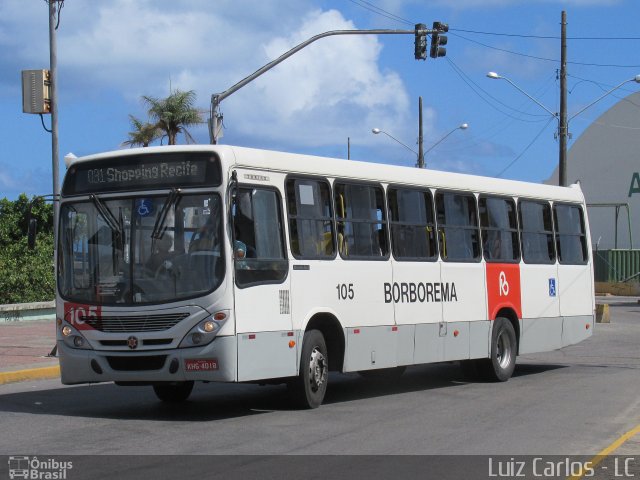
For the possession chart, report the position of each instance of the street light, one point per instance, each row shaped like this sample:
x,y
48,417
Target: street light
x,y
463,126
563,133
377,131
634,79
495,76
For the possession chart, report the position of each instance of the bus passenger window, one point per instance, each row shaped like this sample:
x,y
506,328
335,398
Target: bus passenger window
x,y
571,240
411,218
361,222
258,236
499,229
536,232
458,227
310,219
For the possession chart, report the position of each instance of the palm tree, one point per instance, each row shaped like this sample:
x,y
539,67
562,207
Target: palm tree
x,y
174,113
143,133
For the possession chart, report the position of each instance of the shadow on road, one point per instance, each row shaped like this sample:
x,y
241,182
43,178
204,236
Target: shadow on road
x,y
215,401
534,369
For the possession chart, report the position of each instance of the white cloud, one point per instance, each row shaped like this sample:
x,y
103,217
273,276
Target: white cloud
x,y
134,47
323,93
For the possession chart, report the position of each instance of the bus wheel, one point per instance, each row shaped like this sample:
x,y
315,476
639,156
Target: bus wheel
x,y
309,388
383,373
173,392
500,365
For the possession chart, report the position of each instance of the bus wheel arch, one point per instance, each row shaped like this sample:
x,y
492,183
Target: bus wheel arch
x,y
308,389
502,358
510,314
333,334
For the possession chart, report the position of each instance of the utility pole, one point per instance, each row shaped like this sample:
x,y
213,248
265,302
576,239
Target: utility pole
x,y
420,139
53,89
563,126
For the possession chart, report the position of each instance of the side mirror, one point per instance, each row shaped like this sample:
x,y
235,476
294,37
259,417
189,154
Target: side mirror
x,y
31,233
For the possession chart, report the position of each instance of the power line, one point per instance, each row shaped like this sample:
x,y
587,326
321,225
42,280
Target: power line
x,y
494,129
518,35
544,37
525,149
379,11
605,87
505,50
584,64
475,87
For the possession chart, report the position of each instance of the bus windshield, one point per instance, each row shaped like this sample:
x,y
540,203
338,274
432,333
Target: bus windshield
x,y
140,250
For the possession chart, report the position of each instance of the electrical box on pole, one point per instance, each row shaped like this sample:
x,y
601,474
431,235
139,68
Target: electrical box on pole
x,y
438,41
36,93
420,52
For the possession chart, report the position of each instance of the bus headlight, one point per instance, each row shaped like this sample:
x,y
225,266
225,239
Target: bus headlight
x,y
72,338
205,331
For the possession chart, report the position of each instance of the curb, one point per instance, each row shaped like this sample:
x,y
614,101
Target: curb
x,y
602,313
20,312
30,374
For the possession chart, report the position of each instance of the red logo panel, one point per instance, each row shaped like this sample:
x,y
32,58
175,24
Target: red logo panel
x,y
76,314
503,288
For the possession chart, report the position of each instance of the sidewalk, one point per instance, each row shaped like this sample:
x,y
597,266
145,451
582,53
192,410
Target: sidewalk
x,y
23,351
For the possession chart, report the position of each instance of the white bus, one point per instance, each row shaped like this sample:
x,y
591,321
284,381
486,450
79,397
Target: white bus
x,y
219,263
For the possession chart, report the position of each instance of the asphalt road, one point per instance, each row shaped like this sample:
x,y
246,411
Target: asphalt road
x,y
571,402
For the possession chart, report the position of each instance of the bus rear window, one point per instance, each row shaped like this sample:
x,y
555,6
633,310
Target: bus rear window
x,y
571,240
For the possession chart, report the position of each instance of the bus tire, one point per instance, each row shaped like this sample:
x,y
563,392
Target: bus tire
x,y
309,388
173,392
502,361
392,373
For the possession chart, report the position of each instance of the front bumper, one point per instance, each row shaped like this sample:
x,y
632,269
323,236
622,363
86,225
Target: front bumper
x,y
92,366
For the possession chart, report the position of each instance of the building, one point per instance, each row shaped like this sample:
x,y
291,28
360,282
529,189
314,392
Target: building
x,y
605,159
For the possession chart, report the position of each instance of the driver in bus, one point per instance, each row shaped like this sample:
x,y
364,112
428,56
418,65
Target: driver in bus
x,y
161,255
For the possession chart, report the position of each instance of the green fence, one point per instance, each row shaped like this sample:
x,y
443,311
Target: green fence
x,y
616,265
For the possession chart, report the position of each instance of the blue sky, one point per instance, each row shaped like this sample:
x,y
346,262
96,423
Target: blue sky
x,y
112,52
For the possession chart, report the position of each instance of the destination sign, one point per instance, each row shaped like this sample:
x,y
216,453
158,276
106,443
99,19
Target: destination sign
x,y
143,172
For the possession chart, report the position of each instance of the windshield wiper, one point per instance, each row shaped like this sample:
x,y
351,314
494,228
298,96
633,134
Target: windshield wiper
x,y
116,226
162,216
104,211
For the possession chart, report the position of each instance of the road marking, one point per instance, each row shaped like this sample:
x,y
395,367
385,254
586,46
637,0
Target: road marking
x,y
607,451
30,374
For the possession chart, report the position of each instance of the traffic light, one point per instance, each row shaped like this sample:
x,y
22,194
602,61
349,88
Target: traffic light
x,y
421,42
438,41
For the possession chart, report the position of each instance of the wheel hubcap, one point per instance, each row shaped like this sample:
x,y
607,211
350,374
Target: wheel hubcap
x,y
503,350
317,369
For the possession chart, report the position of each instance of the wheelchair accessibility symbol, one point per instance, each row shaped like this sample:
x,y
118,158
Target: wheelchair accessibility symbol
x,y
552,287
144,207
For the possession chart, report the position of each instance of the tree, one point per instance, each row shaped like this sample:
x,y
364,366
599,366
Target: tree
x,y
25,275
174,113
143,134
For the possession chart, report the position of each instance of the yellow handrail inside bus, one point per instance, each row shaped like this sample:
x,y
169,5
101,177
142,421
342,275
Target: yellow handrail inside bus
x,y
444,243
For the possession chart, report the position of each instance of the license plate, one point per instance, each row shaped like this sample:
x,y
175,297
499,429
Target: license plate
x,y
201,364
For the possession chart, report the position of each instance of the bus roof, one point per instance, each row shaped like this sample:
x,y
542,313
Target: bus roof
x,y
301,164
